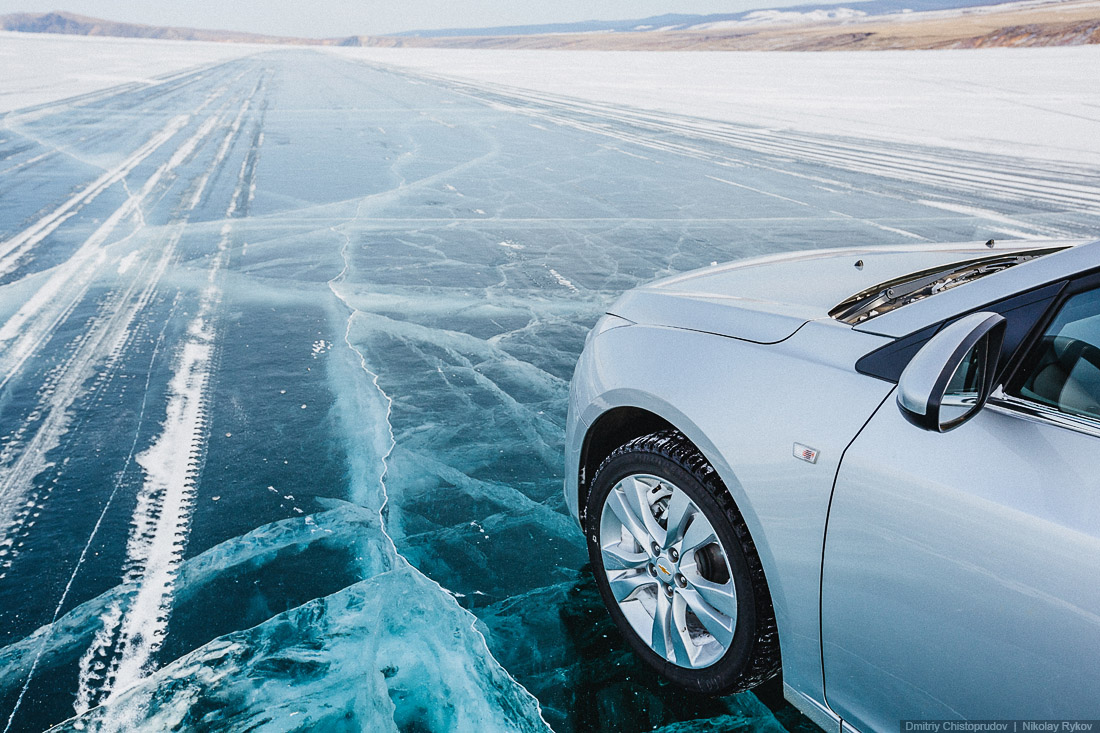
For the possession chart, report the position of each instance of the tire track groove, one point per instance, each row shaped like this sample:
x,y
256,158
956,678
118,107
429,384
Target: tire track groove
x,y
122,652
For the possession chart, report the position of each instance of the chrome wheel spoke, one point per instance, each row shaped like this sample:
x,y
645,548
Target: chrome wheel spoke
x,y
720,596
698,534
626,516
680,511
637,496
661,641
682,645
615,557
717,623
623,586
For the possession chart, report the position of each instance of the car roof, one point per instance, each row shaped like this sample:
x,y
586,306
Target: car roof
x,y
1077,257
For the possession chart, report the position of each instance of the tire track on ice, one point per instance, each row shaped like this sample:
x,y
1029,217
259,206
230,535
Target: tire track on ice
x,y
106,334
121,653
29,162
115,330
14,248
46,639
105,340
152,88
32,325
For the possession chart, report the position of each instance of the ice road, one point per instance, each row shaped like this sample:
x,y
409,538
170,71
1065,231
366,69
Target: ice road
x,y
285,342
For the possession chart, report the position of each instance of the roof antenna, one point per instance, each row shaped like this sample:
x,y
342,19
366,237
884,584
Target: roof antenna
x,y
859,264
989,244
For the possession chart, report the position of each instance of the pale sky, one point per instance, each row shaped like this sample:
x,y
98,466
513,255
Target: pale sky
x,y
322,18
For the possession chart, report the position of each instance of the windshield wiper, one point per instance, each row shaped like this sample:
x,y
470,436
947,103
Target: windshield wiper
x,y
919,285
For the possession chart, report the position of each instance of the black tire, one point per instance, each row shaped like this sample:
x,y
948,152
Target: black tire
x,y
753,655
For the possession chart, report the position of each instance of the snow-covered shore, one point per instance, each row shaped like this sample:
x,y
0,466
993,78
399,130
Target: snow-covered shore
x,y
40,68
1030,102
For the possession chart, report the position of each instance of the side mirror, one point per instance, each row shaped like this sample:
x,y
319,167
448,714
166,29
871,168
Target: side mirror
x,y
951,377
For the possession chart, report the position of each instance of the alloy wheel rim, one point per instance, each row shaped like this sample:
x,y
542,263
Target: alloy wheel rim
x,y
667,571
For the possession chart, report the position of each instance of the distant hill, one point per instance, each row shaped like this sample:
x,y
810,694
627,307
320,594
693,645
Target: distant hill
x,y
683,22
866,26
869,25
80,25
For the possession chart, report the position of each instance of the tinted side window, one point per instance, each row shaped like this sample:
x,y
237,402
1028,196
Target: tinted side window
x,y
1063,369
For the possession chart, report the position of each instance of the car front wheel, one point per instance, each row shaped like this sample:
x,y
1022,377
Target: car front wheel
x,y
677,568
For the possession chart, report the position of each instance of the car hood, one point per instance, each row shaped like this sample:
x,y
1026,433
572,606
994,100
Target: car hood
x,y
767,299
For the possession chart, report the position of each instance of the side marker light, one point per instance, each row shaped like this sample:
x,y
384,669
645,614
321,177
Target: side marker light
x,y
805,453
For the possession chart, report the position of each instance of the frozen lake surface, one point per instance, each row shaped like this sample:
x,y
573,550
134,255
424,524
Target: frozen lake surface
x,y
285,341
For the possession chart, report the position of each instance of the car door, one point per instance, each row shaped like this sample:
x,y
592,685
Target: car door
x,y
961,571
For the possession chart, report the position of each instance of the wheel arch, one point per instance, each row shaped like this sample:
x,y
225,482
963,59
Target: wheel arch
x,y
616,427
630,414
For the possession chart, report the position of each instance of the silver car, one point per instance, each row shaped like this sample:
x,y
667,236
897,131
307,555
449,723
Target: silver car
x,y
876,470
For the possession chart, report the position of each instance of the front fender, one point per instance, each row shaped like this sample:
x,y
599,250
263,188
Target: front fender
x,y
745,405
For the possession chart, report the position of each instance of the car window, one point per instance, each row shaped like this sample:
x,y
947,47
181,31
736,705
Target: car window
x,y
1063,370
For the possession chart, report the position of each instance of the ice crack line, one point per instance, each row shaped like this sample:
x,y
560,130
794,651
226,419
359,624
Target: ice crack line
x,y
391,443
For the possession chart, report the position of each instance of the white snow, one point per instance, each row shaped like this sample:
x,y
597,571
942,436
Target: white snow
x,y
562,281
781,17
1051,6
1029,102
127,262
41,67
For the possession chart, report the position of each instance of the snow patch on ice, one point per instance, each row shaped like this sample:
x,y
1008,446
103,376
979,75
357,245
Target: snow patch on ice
x,y
127,262
561,280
